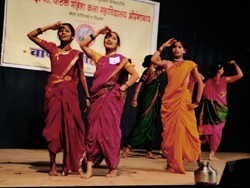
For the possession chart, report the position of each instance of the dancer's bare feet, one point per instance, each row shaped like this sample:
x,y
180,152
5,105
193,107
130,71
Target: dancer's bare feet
x,y
65,173
53,171
87,175
199,160
162,153
170,169
199,163
213,158
149,155
111,173
125,152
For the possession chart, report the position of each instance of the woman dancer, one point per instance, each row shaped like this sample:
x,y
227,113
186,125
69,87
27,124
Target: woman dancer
x,y
64,125
148,109
214,107
180,135
108,96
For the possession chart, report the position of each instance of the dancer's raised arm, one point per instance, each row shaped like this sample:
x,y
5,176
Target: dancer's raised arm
x,y
33,34
155,58
239,73
85,43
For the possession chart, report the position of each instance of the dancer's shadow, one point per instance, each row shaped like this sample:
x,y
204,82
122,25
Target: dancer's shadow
x,y
38,166
138,153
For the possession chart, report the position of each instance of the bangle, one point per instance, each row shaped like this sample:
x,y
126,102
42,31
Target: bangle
x,y
134,100
39,31
92,37
87,97
121,90
159,50
126,85
197,102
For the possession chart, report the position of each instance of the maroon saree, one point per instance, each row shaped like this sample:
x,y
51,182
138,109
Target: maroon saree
x,y
64,125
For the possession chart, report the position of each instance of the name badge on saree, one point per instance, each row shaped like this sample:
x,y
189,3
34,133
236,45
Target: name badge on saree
x,y
114,60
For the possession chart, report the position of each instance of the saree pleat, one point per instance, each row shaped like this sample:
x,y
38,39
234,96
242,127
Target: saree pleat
x,y
148,108
104,134
180,134
64,129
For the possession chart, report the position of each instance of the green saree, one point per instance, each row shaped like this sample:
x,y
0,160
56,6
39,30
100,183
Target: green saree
x,y
148,109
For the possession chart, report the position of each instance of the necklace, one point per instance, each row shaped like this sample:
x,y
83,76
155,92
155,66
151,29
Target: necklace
x,y
178,63
65,49
62,52
178,59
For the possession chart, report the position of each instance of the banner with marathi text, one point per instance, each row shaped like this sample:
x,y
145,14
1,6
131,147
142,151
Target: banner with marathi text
x,y
135,21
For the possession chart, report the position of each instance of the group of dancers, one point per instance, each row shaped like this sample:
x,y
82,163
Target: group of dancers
x,y
181,137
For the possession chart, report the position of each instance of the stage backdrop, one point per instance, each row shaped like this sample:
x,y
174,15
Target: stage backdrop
x,y
136,22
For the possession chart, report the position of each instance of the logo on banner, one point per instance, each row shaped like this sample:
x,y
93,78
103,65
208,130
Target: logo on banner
x,y
83,31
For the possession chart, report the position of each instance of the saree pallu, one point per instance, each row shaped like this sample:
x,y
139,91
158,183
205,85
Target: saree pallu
x,y
180,134
148,109
213,113
64,125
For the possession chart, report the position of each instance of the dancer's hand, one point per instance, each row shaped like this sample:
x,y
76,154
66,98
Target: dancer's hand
x,y
232,62
169,43
55,26
87,109
121,94
192,106
134,103
88,106
87,102
105,30
164,45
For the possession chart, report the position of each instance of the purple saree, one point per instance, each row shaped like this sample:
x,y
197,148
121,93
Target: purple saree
x,y
104,133
214,112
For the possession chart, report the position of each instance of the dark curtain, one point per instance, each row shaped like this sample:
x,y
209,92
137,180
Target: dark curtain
x,y
212,31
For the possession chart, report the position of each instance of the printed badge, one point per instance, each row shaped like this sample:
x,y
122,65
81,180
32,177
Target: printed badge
x,y
114,60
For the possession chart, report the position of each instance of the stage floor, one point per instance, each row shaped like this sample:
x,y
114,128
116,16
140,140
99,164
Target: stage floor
x,y
29,167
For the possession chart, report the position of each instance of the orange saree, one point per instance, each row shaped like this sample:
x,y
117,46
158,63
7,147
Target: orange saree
x,y
180,135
